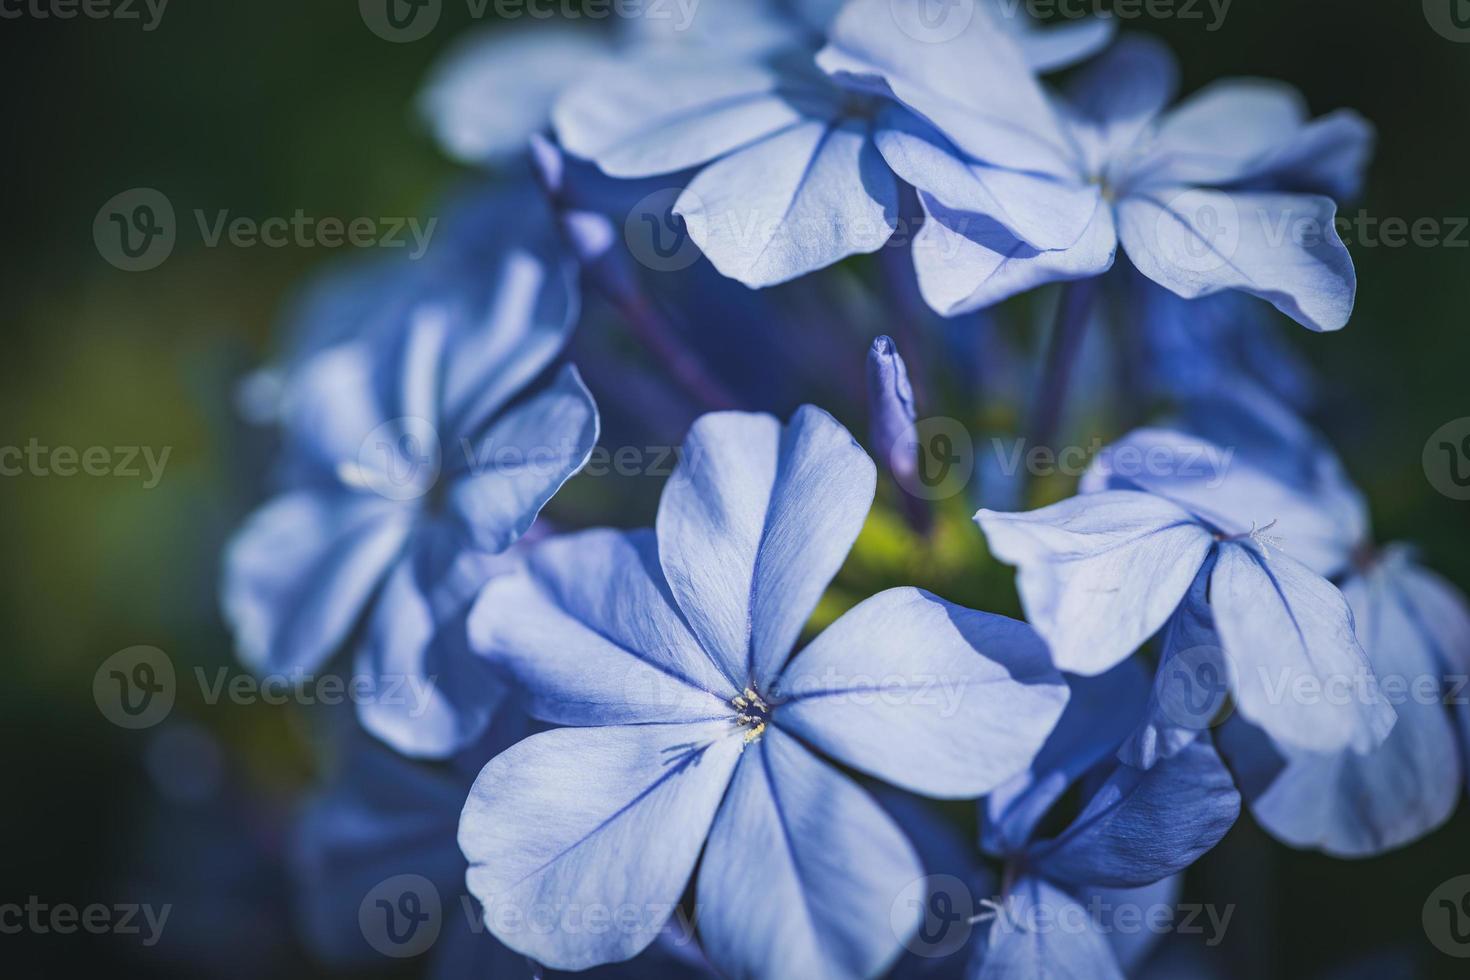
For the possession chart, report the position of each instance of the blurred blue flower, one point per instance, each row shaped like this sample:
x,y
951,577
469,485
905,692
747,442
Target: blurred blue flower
x,y
1135,831
1226,192
671,648
417,452
1173,532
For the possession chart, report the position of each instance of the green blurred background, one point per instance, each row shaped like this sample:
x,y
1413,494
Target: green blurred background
x,y
268,106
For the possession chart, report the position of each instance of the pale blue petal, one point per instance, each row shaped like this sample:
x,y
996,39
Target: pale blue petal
x,y
753,525
966,262
299,574
926,695
1124,917
1144,825
1327,156
1101,573
802,871
578,820
492,91
508,337
1044,212
1099,715
1191,685
589,630
662,115
801,200
1298,670
431,696
1283,248
1118,95
1352,805
1225,488
1044,932
1055,45
503,478
1222,132
975,87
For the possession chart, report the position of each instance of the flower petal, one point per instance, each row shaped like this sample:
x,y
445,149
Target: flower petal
x,y
1190,686
753,525
511,471
1100,713
780,892
589,630
1357,805
430,695
1234,495
666,114
1144,825
1027,938
1220,133
1044,212
492,91
930,696
1100,573
1118,94
299,574
1298,670
580,824
966,262
1283,248
974,86
798,201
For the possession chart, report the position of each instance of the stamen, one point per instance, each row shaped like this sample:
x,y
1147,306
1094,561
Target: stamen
x,y
752,713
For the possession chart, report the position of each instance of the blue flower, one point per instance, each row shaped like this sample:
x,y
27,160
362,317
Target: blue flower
x,y
670,648
383,829
1225,192
1135,832
417,452
1180,535
790,179
1415,631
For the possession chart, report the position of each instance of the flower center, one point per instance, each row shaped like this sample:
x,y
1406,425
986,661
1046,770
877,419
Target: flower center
x,y
752,714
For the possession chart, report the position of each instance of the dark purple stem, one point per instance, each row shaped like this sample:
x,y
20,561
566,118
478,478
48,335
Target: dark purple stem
x,y
1074,309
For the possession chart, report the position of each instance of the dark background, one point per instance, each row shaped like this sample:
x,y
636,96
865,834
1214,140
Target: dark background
x,y
267,106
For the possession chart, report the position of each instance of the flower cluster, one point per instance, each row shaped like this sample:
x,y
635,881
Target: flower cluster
x,y
706,747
